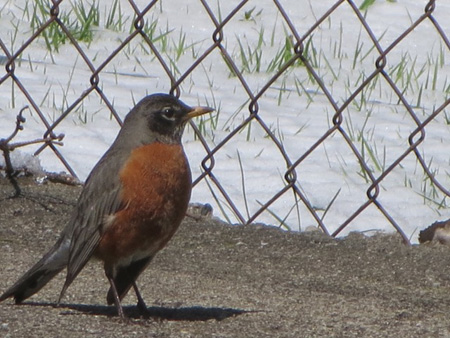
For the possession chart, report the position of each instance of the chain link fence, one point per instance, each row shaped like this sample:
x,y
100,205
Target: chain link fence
x,y
323,108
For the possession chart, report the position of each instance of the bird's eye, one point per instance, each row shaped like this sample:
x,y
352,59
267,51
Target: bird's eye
x,y
168,114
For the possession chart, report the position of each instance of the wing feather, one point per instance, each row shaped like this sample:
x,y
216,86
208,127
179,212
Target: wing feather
x,y
99,200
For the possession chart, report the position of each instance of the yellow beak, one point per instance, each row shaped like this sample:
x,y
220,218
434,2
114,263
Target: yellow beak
x,y
197,111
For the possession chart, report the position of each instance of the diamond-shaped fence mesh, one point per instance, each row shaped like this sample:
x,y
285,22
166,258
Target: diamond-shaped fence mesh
x,y
328,114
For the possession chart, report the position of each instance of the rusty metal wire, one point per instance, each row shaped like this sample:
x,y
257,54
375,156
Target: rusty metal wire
x,y
300,53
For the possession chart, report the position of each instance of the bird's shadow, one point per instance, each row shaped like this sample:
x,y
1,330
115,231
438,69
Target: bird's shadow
x,y
190,313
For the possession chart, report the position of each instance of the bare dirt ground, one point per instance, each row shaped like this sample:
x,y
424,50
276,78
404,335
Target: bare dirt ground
x,y
217,280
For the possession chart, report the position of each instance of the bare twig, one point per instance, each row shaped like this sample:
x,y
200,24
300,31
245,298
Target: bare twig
x,y
6,147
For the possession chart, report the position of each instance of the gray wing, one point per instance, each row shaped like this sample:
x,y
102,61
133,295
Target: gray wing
x,y
100,198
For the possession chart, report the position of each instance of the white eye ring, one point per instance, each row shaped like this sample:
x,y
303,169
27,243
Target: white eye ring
x,y
168,113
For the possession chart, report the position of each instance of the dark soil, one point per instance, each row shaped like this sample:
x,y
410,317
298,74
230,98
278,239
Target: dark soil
x,y
217,280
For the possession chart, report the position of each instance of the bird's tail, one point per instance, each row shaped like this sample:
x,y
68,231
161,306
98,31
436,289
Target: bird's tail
x,y
40,274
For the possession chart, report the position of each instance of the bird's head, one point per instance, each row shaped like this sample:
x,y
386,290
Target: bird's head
x,y
161,117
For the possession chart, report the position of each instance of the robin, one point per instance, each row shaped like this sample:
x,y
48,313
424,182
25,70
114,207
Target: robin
x,y
131,205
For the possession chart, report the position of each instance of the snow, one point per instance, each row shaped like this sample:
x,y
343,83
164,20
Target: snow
x,y
298,116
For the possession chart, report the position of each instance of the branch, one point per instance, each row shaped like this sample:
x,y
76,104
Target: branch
x,y
7,147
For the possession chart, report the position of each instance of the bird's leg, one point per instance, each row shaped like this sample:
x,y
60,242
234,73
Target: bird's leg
x,y
116,296
140,304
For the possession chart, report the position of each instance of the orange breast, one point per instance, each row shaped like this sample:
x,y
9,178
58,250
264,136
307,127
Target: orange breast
x,y
156,190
